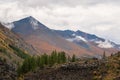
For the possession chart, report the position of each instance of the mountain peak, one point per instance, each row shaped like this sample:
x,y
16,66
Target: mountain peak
x,y
31,18
28,25
34,23
31,21
79,31
26,19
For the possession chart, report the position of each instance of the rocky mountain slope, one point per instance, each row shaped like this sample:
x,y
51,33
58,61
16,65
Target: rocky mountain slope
x,y
11,38
12,52
88,41
7,71
83,39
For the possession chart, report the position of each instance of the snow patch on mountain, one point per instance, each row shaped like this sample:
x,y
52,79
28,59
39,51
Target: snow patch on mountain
x,y
73,34
94,40
105,44
76,38
8,25
81,38
34,23
70,39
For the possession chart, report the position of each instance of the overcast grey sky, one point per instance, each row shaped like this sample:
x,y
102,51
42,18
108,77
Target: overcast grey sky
x,y
100,17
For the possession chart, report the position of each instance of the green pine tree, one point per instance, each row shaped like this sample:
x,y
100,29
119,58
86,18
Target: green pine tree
x,y
73,58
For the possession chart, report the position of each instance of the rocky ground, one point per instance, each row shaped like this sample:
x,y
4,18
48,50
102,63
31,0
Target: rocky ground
x,y
7,71
91,69
69,71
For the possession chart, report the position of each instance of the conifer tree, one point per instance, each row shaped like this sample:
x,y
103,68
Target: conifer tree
x,y
63,57
104,55
73,58
59,58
